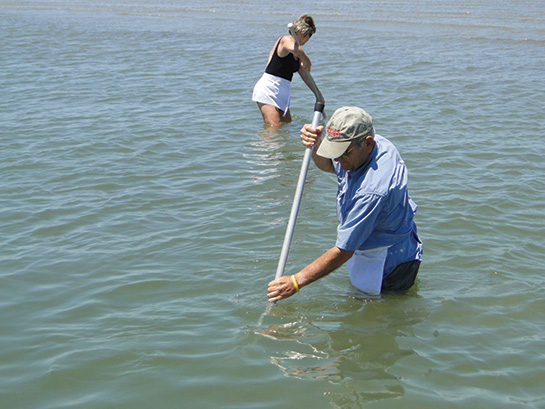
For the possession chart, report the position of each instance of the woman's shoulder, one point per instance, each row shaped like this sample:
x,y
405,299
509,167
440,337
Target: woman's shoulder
x,y
285,45
286,37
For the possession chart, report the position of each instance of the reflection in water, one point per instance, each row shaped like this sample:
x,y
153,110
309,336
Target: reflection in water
x,y
270,149
268,155
308,361
351,346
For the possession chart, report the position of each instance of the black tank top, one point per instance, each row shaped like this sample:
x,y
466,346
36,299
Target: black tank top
x,y
282,67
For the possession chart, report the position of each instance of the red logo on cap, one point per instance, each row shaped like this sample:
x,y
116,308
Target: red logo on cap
x,y
333,133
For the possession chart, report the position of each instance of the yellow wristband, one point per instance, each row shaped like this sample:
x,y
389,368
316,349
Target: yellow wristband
x,y
295,283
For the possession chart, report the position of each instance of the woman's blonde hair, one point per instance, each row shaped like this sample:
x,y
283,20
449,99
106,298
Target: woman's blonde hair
x,y
305,25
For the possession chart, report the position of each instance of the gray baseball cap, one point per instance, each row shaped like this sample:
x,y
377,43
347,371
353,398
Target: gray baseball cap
x,y
345,125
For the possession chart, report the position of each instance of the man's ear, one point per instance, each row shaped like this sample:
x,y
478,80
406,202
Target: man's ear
x,y
369,143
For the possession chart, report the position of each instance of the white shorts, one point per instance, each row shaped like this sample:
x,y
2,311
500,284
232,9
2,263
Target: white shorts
x,y
272,90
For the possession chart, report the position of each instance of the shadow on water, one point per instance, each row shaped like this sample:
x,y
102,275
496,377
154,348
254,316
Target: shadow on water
x,y
351,343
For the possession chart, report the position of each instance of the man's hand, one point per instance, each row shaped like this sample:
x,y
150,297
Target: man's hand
x,y
281,288
309,135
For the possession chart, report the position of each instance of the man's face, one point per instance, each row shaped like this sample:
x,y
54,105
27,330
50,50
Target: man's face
x,y
355,156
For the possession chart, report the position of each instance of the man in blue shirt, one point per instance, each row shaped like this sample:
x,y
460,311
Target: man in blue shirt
x,y
376,235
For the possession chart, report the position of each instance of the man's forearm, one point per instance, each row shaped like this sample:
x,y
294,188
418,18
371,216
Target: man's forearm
x,y
322,163
323,265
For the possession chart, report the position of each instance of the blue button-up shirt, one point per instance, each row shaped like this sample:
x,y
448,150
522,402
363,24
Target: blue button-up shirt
x,y
374,208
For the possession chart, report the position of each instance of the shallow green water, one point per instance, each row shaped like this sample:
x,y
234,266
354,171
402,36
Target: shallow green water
x,y
143,207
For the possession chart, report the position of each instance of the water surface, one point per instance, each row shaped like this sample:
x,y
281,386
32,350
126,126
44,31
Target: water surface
x,y
143,207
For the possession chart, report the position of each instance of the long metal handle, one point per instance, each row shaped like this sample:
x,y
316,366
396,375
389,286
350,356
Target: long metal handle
x,y
318,109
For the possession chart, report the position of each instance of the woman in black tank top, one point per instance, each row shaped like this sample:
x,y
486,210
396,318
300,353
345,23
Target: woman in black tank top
x,y
272,91
282,67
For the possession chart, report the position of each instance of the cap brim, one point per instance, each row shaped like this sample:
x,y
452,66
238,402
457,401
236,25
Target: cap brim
x,y
332,150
